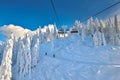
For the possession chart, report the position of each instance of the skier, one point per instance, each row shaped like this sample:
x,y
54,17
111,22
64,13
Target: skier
x,y
46,53
53,55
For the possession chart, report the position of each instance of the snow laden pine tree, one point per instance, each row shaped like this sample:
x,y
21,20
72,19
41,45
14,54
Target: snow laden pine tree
x,y
53,34
35,50
116,24
27,56
40,35
24,58
110,32
83,33
98,36
101,29
21,60
64,28
48,35
5,68
35,54
55,31
78,26
90,27
117,31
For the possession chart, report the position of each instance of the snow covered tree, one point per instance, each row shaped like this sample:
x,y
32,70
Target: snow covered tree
x,y
83,34
27,55
98,36
117,31
116,24
48,34
15,51
78,26
40,35
55,31
102,25
24,58
110,32
107,32
21,60
35,51
97,24
103,39
5,68
2,45
64,27
90,26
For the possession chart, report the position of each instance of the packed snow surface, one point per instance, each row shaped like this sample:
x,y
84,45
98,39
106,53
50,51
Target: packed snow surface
x,y
77,60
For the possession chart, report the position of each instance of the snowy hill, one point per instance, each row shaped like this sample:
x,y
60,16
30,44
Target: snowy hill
x,y
76,61
88,52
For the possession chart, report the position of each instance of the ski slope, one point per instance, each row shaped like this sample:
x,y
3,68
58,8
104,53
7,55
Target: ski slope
x,y
77,60
93,53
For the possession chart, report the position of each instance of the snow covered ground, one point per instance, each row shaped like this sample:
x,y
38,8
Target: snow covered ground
x,y
77,60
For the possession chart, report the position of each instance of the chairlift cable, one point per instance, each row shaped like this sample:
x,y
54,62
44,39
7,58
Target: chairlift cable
x,y
103,10
54,9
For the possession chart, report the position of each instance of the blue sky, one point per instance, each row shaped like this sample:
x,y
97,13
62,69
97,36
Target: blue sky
x,y
33,13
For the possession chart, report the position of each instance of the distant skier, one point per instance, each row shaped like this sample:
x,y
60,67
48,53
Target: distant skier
x,y
53,55
46,53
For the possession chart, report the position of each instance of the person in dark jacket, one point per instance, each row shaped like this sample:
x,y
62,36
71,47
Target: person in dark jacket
x,y
53,55
46,53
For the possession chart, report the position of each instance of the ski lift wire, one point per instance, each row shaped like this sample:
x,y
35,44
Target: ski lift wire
x,y
54,9
103,10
